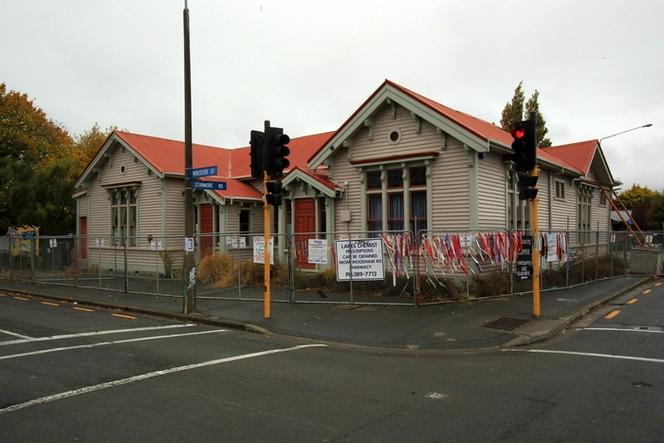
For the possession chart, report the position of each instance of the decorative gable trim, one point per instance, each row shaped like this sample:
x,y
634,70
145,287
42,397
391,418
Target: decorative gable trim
x,y
392,95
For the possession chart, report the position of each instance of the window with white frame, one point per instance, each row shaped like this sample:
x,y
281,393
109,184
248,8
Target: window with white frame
x,y
405,197
517,209
124,217
560,189
585,214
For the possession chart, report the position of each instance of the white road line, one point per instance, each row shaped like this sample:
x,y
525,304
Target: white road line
x,y
14,334
104,343
124,381
90,334
624,330
590,354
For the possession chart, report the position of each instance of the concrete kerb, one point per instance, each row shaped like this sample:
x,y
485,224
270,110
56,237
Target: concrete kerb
x,y
529,334
192,318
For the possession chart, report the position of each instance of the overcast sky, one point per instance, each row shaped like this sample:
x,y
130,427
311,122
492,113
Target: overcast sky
x,y
307,65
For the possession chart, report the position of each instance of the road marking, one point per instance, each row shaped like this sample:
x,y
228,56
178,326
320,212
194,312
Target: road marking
x,y
124,316
612,314
124,381
587,354
632,301
106,343
21,298
48,303
83,309
647,291
87,334
658,284
24,338
624,330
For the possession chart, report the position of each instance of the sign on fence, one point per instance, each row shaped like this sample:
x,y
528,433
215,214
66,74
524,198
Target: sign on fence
x,y
524,262
259,249
236,241
364,257
317,253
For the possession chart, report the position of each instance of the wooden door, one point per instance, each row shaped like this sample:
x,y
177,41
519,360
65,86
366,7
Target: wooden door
x,y
206,238
84,238
305,225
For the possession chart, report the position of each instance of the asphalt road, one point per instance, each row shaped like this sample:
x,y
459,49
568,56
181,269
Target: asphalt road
x,y
68,374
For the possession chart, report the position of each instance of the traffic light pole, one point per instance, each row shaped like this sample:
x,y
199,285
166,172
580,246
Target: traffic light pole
x,y
536,252
266,248
535,231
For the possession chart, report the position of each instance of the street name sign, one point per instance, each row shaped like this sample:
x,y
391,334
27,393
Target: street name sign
x,y
203,172
213,186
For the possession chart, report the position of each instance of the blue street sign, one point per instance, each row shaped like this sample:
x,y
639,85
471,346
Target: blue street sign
x,y
203,172
214,186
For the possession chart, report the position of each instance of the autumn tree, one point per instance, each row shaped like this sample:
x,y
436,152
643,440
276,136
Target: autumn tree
x,y
87,145
519,109
635,195
39,165
644,204
29,142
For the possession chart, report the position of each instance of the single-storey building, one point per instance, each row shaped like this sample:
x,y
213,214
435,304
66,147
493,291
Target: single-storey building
x,y
400,161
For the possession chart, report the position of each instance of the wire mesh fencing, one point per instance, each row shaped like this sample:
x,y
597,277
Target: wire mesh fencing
x,y
384,268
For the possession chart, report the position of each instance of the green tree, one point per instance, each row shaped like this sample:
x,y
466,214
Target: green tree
x,y
655,216
532,105
519,109
513,110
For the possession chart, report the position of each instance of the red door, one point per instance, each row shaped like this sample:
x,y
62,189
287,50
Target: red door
x,y
206,238
305,222
84,238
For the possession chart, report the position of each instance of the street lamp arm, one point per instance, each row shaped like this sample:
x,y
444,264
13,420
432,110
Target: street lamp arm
x,y
628,130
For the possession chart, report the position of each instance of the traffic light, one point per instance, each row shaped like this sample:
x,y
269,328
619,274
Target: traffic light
x,y
276,151
257,153
527,183
273,196
524,146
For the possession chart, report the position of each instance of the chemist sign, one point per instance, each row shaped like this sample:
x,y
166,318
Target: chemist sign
x,y
360,259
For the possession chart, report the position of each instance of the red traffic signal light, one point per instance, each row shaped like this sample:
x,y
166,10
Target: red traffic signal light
x,y
518,133
524,146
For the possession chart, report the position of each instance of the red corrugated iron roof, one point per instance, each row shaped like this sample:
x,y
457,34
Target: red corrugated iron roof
x,y
167,156
580,154
477,126
301,148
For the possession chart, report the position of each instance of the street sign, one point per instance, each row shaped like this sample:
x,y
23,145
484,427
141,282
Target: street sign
x,y
214,186
203,172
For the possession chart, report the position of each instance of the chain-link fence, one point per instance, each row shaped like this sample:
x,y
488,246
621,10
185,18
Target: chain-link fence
x,y
386,268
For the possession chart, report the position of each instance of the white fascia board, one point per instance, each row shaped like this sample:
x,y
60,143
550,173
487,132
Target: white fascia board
x,y
448,126
298,175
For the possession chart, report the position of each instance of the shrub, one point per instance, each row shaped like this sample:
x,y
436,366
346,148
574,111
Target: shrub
x,y
490,284
216,269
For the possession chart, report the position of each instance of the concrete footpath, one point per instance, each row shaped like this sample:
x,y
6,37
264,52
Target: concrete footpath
x,y
487,324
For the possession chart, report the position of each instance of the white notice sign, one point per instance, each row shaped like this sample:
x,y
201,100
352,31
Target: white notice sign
x,y
364,257
317,252
259,250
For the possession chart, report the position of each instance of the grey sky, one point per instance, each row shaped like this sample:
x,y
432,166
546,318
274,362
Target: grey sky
x,y
307,65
